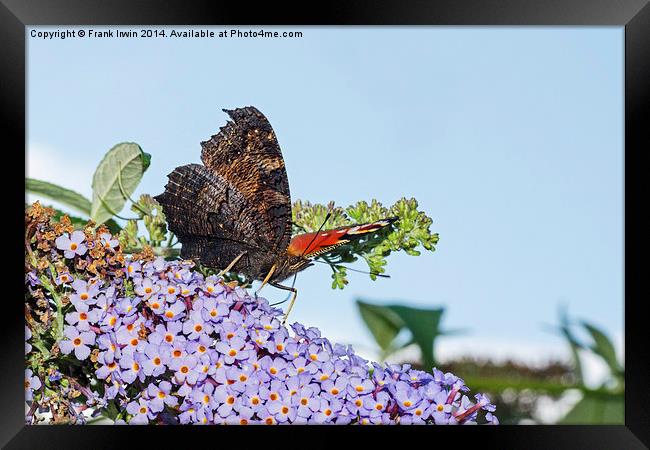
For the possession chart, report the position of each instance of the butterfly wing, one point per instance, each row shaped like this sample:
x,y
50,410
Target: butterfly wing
x,y
247,155
311,245
239,200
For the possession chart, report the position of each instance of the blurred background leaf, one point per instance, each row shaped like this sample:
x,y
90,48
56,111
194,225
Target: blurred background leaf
x,y
60,194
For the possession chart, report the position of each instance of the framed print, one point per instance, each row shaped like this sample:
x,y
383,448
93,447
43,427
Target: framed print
x,y
394,215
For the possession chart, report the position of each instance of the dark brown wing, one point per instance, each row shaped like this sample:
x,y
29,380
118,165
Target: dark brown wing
x,y
246,156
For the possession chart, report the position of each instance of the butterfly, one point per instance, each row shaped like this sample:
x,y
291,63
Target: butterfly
x,y
233,212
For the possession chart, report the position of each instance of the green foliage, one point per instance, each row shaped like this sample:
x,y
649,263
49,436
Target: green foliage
x,y
385,322
605,405
597,409
60,194
116,178
150,212
407,234
603,347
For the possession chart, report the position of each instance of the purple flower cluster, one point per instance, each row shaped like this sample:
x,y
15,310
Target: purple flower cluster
x,y
169,345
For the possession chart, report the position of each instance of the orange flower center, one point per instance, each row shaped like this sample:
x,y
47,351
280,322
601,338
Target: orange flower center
x,y
418,412
77,341
243,422
328,412
83,296
269,421
358,388
73,246
232,352
304,401
156,361
440,408
379,406
136,366
273,370
243,378
201,349
147,290
143,410
324,377
407,403
255,401
285,410
169,314
334,391
83,316
313,357
230,400
185,369
134,342
171,290
169,337
279,347
177,353
273,396
155,305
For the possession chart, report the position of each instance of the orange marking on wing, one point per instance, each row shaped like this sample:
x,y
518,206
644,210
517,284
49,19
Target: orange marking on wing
x,y
328,238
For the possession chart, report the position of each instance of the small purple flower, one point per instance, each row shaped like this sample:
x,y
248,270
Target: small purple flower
x,y
147,288
132,368
328,411
71,244
195,326
32,383
160,395
184,369
140,411
85,292
154,362
28,336
108,241
282,409
76,341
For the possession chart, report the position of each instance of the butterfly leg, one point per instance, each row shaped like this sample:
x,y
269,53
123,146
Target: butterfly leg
x,y
266,279
293,298
230,266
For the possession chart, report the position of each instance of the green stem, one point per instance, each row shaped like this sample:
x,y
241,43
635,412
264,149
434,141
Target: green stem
x,y
57,300
169,241
110,210
124,194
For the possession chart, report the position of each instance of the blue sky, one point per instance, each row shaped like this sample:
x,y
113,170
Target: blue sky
x,y
510,138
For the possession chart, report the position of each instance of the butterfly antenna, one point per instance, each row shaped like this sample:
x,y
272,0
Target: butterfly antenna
x,y
355,270
293,283
329,214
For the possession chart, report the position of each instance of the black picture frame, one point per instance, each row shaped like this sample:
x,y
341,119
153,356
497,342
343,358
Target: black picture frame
x,y
633,15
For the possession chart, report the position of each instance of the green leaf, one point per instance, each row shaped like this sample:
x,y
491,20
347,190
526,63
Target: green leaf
x,y
575,346
424,325
604,348
600,409
383,323
116,178
60,194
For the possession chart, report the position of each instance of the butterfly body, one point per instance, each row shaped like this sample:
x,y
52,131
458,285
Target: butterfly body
x,y
236,207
